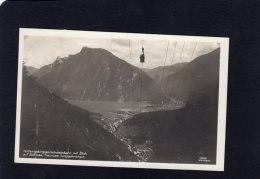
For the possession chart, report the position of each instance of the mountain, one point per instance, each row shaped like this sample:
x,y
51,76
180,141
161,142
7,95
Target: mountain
x,y
96,74
31,70
199,76
188,134
48,123
175,136
156,73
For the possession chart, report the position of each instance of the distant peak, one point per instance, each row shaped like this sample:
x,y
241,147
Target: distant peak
x,y
84,49
60,60
88,49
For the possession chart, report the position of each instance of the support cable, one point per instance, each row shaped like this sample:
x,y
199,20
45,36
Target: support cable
x,y
141,86
167,79
180,56
164,65
193,51
140,105
131,72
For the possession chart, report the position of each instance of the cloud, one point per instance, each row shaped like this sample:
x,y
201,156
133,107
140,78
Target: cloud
x,y
120,42
40,51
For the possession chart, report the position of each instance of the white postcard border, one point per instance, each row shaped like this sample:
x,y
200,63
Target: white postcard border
x,y
224,50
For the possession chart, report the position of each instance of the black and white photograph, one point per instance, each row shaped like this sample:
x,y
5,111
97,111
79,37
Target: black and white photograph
x,y
121,99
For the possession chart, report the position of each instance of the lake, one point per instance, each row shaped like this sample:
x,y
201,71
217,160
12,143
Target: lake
x,y
106,107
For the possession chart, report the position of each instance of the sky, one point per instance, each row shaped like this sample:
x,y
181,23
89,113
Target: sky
x,y
40,50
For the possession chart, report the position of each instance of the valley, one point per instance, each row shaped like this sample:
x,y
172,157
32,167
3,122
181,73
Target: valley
x,y
110,115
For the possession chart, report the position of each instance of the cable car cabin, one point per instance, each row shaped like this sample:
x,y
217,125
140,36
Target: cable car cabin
x,y
142,57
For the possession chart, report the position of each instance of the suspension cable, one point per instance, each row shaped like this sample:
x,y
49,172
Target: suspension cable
x,y
193,51
179,62
140,104
164,65
182,51
185,73
141,86
130,53
180,56
167,79
131,72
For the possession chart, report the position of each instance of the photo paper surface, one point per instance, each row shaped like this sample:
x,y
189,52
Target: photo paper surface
x,y
121,100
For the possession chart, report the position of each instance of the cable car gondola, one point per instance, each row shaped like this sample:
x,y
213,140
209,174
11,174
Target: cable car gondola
x,y
142,56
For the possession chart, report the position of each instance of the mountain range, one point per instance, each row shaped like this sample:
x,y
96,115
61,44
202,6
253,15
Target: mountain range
x,y
159,74
200,76
177,136
187,134
48,123
31,70
96,74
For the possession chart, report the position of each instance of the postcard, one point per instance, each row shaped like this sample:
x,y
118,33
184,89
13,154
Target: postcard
x,y
129,100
